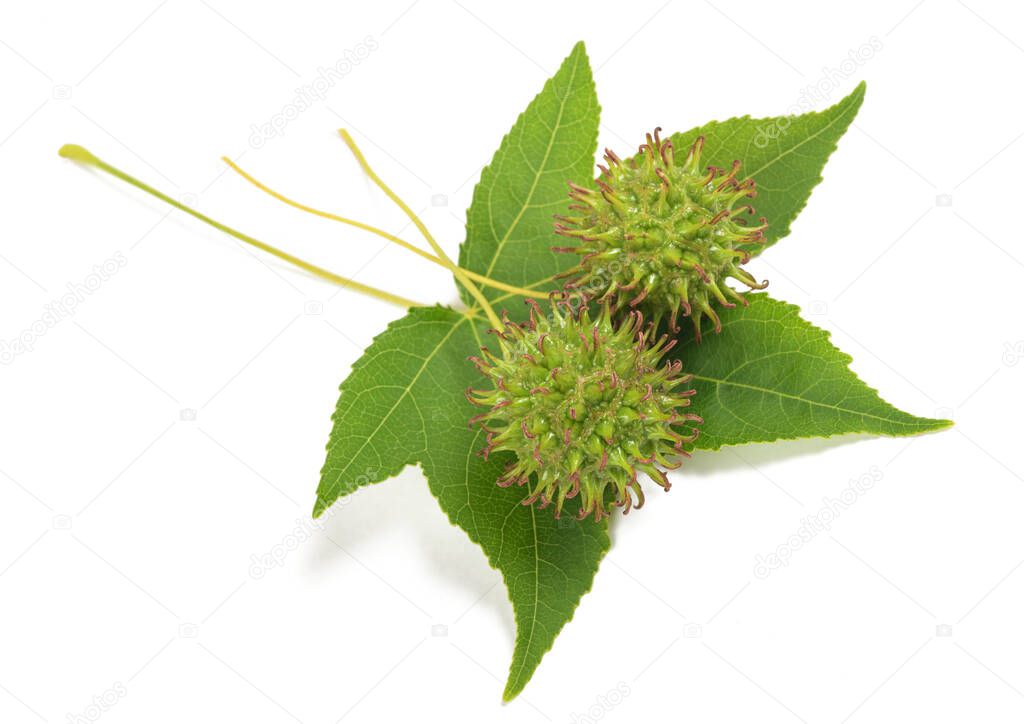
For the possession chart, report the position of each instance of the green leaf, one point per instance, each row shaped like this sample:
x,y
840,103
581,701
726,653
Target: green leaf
x,y
771,375
509,229
401,405
784,155
403,402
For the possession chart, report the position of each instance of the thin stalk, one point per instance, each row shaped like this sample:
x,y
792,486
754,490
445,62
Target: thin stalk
x,y
82,155
452,266
501,298
529,288
486,281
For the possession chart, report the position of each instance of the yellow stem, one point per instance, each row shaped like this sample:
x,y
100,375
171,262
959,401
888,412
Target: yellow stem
x,y
454,268
487,281
82,155
501,298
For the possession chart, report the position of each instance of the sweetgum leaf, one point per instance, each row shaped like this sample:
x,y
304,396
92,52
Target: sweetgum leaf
x,y
771,375
509,229
784,155
401,405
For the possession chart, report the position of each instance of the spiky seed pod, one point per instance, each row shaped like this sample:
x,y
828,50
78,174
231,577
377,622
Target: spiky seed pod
x,y
585,405
662,233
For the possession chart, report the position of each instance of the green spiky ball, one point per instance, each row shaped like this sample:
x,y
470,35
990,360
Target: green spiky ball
x,y
662,233
585,405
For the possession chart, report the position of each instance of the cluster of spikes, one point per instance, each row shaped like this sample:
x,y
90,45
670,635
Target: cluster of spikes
x,y
586,405
662,234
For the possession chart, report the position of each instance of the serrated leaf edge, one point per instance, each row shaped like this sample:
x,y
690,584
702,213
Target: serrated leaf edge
x,y
853,101
489,170
847,360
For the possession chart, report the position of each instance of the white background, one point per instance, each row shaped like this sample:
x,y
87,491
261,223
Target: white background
x,y
128,531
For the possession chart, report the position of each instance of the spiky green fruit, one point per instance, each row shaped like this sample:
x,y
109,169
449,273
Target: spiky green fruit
x,y
585,405
662,234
